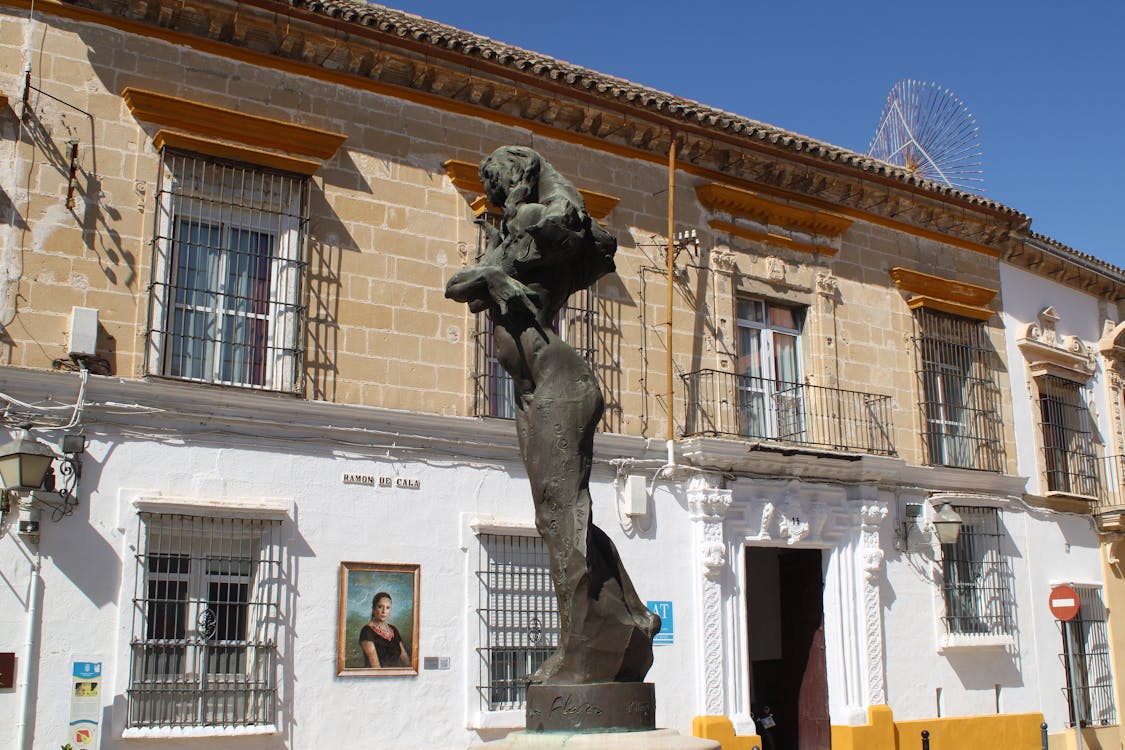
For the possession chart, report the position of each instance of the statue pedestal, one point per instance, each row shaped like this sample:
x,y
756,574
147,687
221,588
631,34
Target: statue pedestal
x,y
592,707
656,739
597,716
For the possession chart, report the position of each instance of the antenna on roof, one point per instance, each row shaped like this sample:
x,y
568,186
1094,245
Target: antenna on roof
x,y
927,129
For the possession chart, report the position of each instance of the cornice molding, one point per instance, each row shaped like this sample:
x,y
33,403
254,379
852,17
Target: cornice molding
x,y
165,406
174,139
769,238
1112,343
1048,353
941,288
732,455
348,54
182,115
465,176
945,295
747,204
953,308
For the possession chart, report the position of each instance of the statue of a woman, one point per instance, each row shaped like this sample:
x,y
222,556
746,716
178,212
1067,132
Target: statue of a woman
x,y
546,249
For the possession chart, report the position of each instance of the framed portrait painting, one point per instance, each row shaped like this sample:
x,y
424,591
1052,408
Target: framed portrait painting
x,y
377,631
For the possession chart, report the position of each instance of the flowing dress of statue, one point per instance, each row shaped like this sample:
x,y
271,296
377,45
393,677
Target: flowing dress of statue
x,y
546,249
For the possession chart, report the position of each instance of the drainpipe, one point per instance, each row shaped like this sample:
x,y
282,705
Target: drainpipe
x,y
23,741
671,441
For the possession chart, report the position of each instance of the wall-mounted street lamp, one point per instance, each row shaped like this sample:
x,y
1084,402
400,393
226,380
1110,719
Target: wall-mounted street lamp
x,y
943,520
24,462
26,472
947,523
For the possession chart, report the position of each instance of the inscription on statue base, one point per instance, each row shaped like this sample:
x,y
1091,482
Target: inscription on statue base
x,y
597,707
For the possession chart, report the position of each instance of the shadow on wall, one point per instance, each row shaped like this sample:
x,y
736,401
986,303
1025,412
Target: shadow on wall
x,y
328,240
607,343
67,146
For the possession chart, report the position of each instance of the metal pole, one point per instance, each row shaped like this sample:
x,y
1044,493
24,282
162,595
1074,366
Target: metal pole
x,y
1073,666
925,739
1043,736
671,278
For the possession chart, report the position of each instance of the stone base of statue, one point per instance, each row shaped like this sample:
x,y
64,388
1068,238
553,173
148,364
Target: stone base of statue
x,y
598,716
656,739
594,707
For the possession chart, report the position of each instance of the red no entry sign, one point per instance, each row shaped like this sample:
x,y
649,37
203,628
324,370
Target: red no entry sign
x,y
1063,602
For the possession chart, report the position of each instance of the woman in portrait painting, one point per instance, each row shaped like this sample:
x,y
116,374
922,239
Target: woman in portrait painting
x,y
380,640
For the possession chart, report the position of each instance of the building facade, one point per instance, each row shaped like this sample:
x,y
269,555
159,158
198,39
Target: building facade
x,y
227,233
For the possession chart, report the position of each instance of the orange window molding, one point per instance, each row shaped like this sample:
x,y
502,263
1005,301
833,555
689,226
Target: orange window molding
x,y
215,128
464,176
944,295
746,204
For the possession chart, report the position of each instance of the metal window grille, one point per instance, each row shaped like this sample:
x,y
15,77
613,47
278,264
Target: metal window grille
x,y
206,611
225,300
1089,675
576,324
518,615
1069,452
959,392
977,577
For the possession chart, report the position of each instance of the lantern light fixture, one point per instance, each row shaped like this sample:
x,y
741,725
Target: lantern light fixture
x,y
26,469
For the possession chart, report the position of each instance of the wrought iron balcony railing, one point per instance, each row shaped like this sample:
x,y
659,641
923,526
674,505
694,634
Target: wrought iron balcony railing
x,y
722,403
1111,490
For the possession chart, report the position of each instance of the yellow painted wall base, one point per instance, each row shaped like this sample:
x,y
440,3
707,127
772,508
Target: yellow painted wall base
x,y
720,729
882,732
877,734
1093,738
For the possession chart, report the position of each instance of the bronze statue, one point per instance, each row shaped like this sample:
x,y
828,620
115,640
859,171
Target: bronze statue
x,y
545,249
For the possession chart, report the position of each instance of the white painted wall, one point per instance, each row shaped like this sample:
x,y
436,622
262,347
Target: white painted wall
x,y
1025,295
88,575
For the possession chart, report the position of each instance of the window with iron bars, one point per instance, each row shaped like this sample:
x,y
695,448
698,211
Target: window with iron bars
x,y
959,392
576,324
206,610
228,265
518,616
977,577
1086,659
1070,455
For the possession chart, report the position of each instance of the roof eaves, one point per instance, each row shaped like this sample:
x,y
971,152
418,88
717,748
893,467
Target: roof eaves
x,y
407,25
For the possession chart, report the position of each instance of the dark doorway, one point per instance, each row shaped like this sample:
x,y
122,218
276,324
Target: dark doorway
x,y
785,626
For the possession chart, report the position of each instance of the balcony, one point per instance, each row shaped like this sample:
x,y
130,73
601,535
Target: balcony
x,y
1109,508
725,404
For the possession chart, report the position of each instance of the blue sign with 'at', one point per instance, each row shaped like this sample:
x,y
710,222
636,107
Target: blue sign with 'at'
x,y
667,623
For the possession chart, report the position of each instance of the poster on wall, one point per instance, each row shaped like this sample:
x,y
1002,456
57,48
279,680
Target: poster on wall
x,y
85,704
377,633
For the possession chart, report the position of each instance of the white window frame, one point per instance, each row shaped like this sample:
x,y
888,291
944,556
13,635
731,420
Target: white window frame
x,y
281,315
776,403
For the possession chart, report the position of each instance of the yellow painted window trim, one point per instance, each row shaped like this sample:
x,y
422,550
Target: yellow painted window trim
x,y
769,238
953,308
208,147
941,288
746,204
206,121
3,100
465,176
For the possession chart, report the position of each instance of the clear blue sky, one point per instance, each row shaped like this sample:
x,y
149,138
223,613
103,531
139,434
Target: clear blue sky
x,y
1045,80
